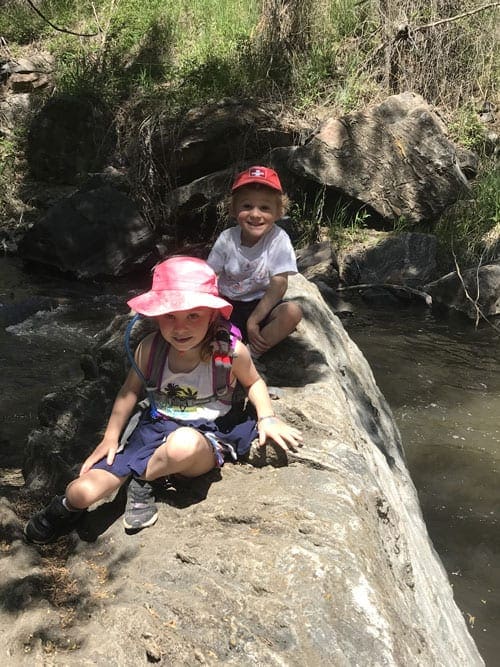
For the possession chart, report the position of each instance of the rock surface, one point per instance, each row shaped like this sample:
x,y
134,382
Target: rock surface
x,y
94,233
394,157
69,137
476,293
400,259
320,557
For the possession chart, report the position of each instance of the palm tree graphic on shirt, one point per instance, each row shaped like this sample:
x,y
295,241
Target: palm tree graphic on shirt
x,y
179,397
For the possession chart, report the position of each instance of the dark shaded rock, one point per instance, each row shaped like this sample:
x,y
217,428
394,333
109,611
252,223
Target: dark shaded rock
x,y
188,206
96,233
69,137
405,259
207,139
319,262
71,419
394,157
483,290
110,176
468,161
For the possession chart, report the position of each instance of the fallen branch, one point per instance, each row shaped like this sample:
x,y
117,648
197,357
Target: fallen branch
x,y
491,5
405,31
391,287
474,302
69,32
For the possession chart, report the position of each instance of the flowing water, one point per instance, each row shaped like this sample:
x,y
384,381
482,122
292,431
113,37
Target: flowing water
x,y
42,351
441,377
439,374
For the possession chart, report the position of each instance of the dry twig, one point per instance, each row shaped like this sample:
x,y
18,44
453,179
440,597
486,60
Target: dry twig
x,y
491,5
475,302
52,25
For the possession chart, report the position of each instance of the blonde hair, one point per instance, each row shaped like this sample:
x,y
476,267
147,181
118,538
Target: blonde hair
x,y
281,196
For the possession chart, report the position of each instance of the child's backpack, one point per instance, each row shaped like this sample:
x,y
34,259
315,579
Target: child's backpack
x,y
224,343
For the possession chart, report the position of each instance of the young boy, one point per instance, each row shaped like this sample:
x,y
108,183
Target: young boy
x,y
254,259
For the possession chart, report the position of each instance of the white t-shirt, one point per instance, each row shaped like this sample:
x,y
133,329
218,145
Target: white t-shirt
x,y
244,272
189,396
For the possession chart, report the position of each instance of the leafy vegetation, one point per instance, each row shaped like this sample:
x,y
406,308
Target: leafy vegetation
x,y
165,56
471,228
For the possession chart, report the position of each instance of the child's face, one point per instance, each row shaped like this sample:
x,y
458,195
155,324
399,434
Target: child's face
x,y
256,210
185,329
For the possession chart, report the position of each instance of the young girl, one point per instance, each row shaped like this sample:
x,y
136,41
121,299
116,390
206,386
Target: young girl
x,y
193,429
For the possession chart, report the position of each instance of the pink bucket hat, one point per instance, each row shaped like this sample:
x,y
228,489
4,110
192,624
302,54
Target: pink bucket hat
x,y
181,283
263,175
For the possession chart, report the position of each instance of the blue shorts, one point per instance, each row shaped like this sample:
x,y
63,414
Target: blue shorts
x,y
224,435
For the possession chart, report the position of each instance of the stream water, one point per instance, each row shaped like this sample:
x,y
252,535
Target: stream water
x,y
439,374
441,378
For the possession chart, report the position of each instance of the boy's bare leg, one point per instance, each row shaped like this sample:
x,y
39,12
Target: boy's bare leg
x,y
282,321
186,451
91,487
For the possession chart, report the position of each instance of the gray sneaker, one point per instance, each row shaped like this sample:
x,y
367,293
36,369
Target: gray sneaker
x,y
140,511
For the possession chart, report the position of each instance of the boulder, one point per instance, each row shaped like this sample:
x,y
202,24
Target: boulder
x,y
26,75
317,262
314,557
208,139
69,137
476,292
94,233
394,157
402,259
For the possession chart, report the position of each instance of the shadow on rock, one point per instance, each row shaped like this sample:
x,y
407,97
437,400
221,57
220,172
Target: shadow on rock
x,y
96,522
182,492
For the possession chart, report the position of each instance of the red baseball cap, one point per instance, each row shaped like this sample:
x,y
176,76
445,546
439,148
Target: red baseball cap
x,y
263,175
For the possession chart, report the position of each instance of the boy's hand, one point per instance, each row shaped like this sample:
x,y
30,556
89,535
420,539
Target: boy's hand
x,y
287,437
106,449
255,338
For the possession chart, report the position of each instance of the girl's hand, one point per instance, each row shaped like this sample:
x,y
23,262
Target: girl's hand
x,y
106,449
287,437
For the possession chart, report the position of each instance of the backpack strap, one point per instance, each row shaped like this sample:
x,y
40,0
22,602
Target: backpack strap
x,y
156,362
223,345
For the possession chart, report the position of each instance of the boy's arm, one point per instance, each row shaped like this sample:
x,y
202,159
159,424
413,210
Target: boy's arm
x,y
216,257
269,425
273,295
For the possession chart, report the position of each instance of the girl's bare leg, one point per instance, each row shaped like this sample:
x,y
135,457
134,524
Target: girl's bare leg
x,y
91,487
185,451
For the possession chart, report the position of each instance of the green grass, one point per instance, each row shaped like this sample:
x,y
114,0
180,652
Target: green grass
x,y
471,228
161,57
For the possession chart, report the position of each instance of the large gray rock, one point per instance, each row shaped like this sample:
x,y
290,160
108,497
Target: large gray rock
x,y
324,561
476,292
95,233
208,139
394,157
401,259
68,137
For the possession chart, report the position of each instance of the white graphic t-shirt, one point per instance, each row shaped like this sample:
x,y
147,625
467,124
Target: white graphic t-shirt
x,y
189,396
244,272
